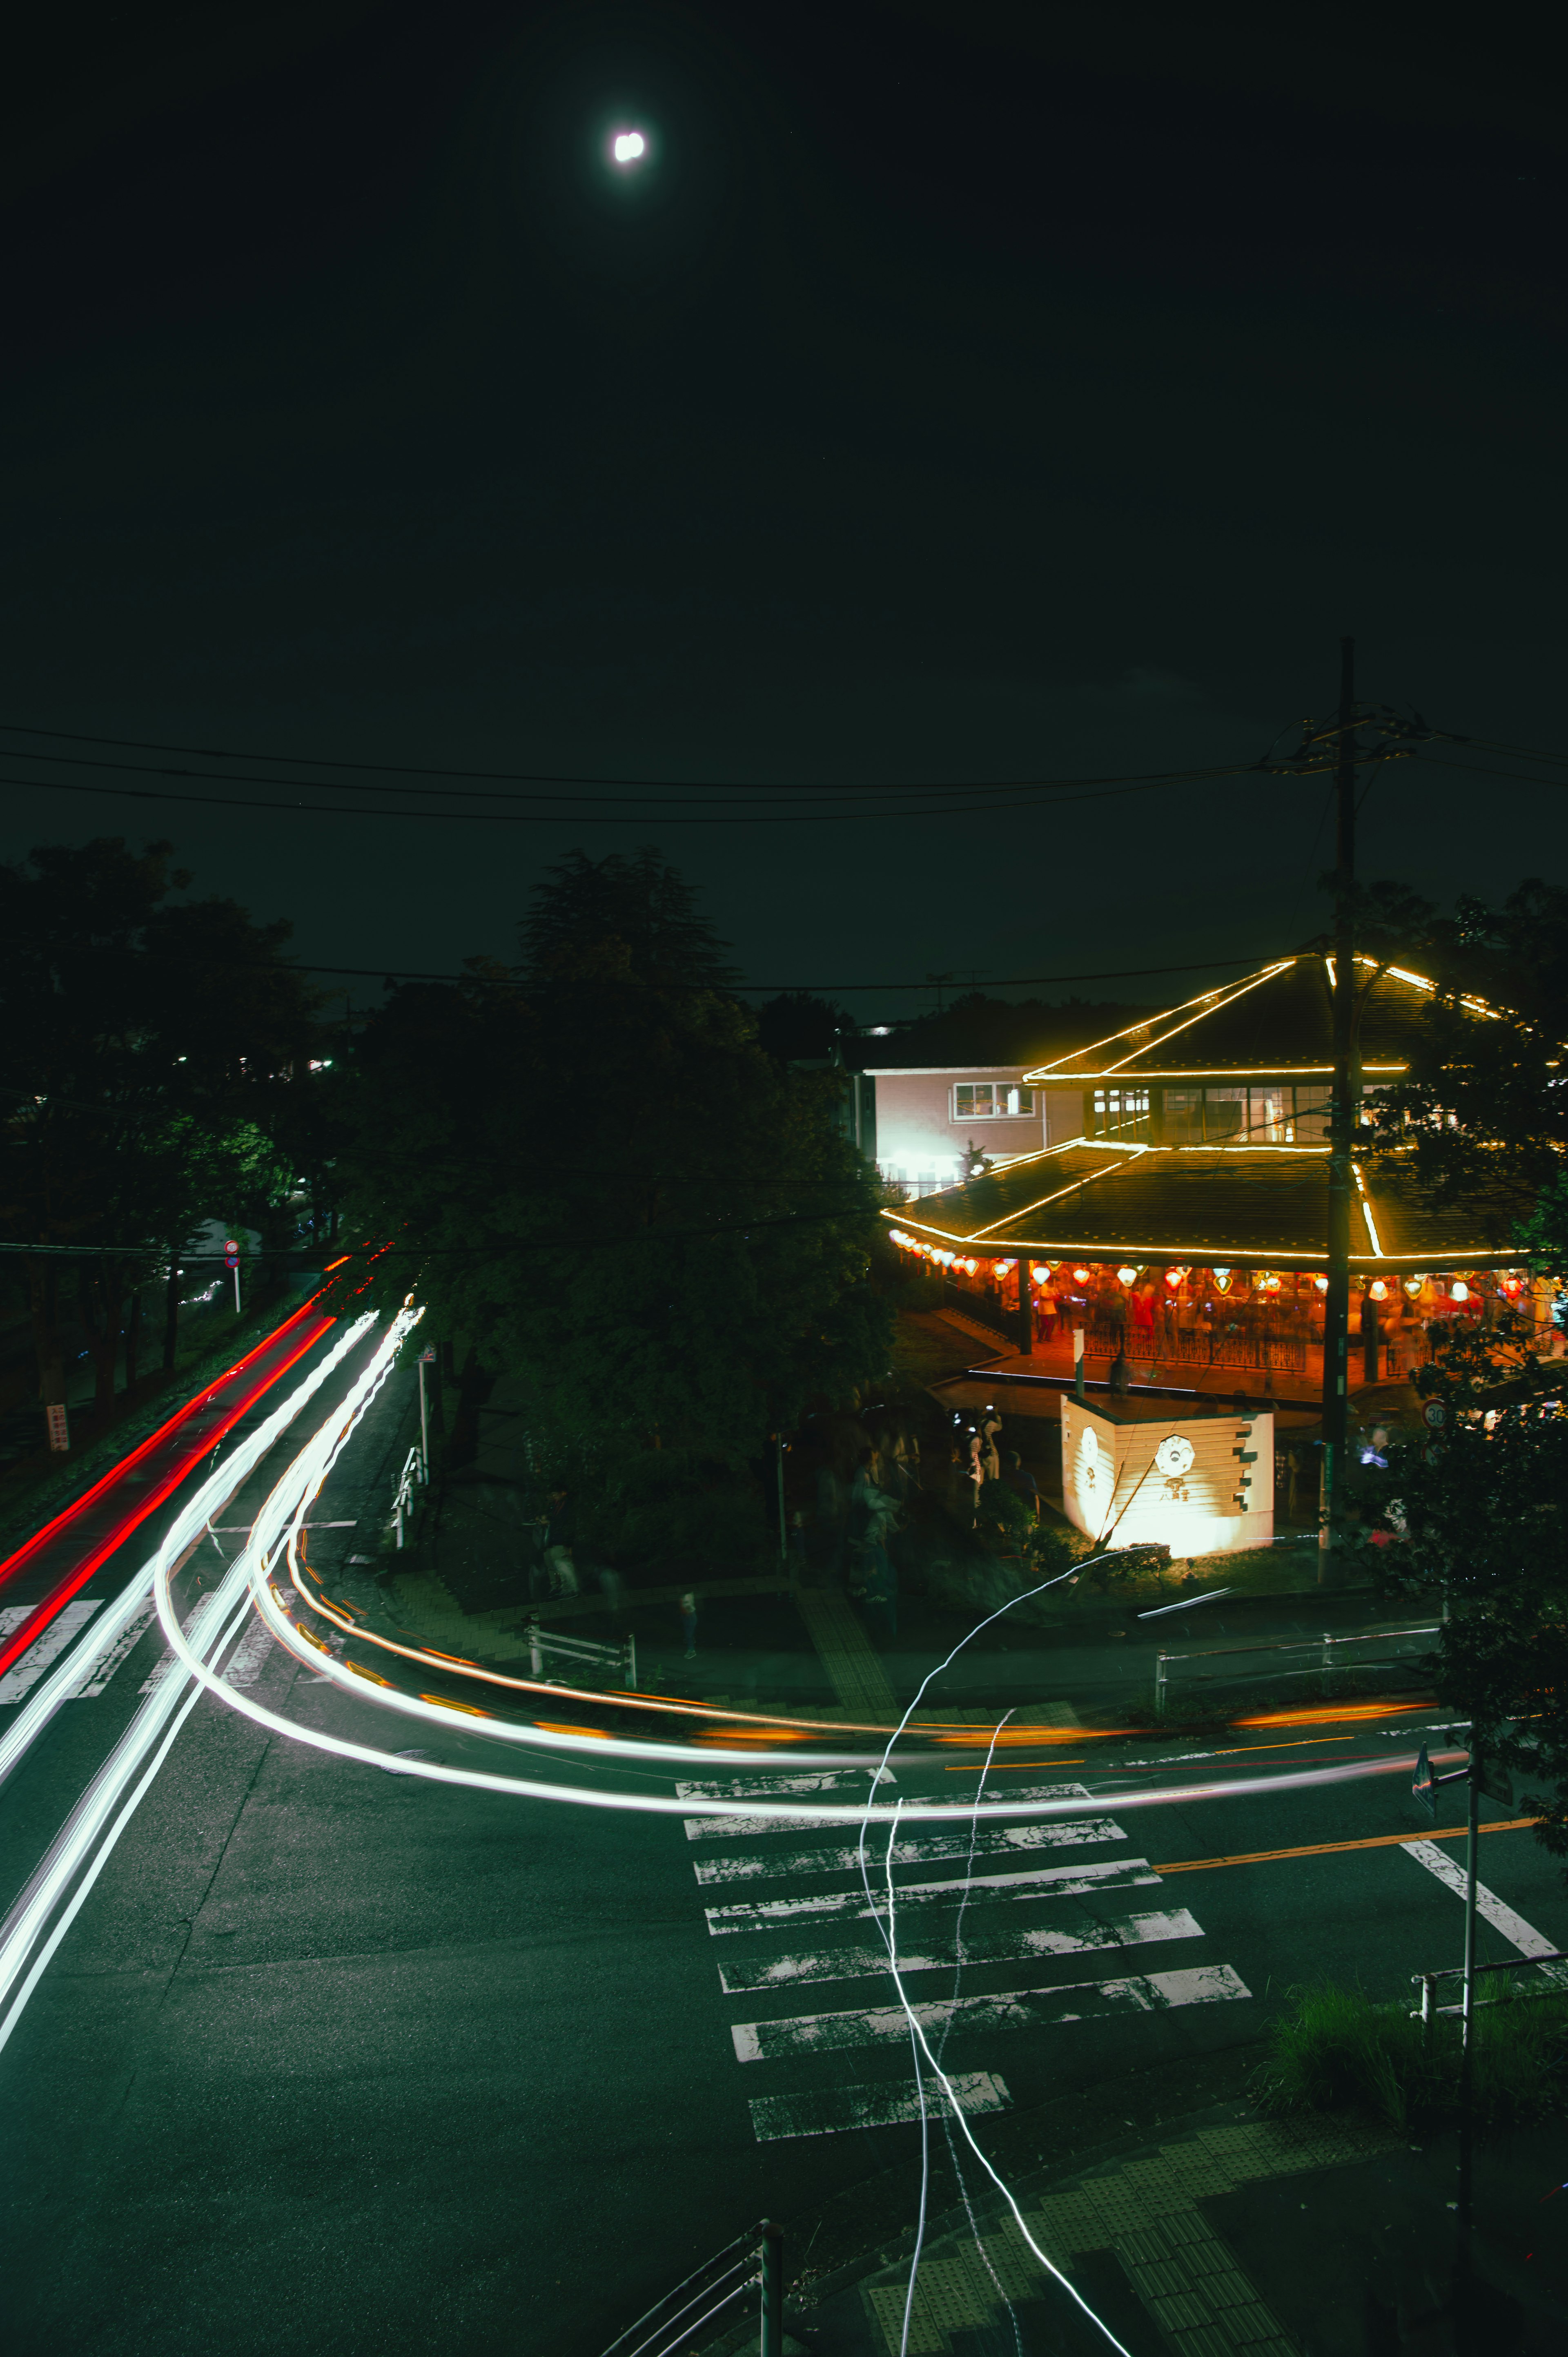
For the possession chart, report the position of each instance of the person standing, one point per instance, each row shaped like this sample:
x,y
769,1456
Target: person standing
x,y
689,1622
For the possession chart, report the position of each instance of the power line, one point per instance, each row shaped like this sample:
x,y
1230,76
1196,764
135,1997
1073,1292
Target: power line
x,y
513,974
597,789
567,778
577,817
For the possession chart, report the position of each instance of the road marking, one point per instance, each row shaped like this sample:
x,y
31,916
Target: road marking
x,y
30,1667
190,1627
1501,1917
831,2111
1327,1849
748,1828
820,2033
1035,1882
251,1655
988,1840
125,1644
762,1788
1011,1946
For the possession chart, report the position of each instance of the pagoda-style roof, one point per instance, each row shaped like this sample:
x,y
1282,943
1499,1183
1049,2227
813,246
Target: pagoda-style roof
x,y
1276,1022
1263,1206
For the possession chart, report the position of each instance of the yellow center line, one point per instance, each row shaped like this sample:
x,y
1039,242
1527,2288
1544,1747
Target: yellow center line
x,y
1327,1849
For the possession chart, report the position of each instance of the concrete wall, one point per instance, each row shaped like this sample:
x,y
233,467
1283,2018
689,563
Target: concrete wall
x,y
1196,1483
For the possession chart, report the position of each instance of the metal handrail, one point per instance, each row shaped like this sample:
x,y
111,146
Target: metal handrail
x,y
1308,1645
1456,1971
1320,1646
748,2237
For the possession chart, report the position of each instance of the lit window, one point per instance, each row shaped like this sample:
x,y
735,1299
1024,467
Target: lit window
x,y
983,1101
1121,1112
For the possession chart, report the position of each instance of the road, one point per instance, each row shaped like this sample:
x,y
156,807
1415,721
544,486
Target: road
x,y
337,2059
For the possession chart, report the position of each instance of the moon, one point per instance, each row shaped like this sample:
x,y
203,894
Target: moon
x,y
629,145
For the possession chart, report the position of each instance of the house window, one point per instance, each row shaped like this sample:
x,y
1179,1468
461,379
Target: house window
x,y
1121,1112
992,1100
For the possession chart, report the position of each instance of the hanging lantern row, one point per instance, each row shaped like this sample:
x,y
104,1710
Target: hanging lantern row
x,y
1269,1281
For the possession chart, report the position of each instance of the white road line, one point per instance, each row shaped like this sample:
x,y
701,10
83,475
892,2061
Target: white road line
x,y
103,1670
1012,1947
251,1654
822,2033
27,1671
749,1828
763,1787
1525,1937
1035,1882
831,2111
989,1841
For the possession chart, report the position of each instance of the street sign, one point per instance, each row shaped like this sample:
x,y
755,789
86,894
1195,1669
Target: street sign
x,y
232,1255
60,1432
1436,1414
427,1356
1425,1789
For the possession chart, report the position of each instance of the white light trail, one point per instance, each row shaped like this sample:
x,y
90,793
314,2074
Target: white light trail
x,y
55,1891
77,1667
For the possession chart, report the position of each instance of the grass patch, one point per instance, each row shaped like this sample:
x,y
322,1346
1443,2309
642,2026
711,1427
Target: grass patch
x,y
1335,2050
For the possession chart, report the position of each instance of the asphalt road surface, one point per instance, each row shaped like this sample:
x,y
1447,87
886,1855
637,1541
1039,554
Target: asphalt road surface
x,y
332,2059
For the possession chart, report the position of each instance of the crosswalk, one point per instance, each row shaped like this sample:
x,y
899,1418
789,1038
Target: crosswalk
x,y
245,1664
1007,1907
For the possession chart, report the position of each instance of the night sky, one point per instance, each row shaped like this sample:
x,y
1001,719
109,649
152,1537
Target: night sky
x,y
959,393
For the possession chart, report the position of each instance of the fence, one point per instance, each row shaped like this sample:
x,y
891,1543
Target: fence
x,y
1329,1653
669,2327
612,1660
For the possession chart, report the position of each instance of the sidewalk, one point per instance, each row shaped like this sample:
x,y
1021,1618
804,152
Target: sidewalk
x,y
1231,2235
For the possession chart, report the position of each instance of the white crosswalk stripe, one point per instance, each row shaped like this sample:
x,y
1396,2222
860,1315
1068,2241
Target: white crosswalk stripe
x,y
819,2033
1014,1946
30,1667
980,1841
747,1828
1017,1912
1032,1882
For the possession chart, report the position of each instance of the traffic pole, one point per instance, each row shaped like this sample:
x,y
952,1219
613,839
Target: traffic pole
x,y
1466,2055
1343,1114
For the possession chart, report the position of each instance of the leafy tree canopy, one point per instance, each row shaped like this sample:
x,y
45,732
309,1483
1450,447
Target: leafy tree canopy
x,y
1482,1118
608,1185
639,909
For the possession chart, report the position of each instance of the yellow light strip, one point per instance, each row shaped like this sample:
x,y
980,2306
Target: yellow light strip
x,y
1367,1209
1226,1072
1242,1256
1252,983
1208,1003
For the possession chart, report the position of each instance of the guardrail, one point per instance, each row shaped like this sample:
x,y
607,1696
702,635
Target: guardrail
x,y
1323,1649
619,1658
1428,2013
415,1475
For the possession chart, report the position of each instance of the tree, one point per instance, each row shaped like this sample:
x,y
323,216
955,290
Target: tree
x,y
1480,1503
1482,1119
148,1050
641,903
606,1185
797,1027
1479,1499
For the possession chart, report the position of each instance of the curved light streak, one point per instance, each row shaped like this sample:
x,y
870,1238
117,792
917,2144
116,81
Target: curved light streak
x,y
285,1511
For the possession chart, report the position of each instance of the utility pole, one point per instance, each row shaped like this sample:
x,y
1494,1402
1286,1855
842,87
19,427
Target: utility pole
x,y
1344,1110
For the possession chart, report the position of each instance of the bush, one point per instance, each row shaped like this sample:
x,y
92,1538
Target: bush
x,y
1334,2050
